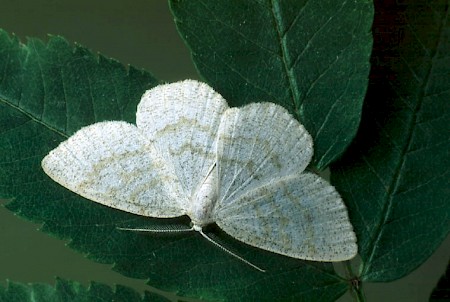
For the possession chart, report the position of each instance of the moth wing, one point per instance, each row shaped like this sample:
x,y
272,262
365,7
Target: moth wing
x,y
257,143
181,120
112,163
299,216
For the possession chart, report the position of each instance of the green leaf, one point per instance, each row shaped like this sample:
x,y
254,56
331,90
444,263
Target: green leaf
x,y
311,57
48,91
395,177
69,291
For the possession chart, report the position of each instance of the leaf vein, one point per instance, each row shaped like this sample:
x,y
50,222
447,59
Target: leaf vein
x,y
241,76
310,40
205,6
395,180
295,20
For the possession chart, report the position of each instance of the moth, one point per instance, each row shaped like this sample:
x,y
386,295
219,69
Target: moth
x,y
190,154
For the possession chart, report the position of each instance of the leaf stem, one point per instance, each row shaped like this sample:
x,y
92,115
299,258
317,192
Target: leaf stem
x,y
358,293
355,283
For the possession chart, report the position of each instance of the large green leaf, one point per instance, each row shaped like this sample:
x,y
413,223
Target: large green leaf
x,y
395,177
48,91
68,291
311,57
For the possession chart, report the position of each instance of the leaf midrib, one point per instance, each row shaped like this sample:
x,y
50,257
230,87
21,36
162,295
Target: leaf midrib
x,y
31,117
285,56
17,107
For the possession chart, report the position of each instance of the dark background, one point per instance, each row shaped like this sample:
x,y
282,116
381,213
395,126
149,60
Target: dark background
x,y
141,33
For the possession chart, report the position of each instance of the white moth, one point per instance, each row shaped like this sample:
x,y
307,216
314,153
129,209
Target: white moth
x,y
190,154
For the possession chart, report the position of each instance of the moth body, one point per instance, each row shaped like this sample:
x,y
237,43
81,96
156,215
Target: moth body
x,y
204,200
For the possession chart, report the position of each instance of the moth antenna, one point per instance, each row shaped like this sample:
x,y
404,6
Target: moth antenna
x,y
166,229
230,252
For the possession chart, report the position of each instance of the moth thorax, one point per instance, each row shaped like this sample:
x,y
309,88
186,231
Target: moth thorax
x,y
203,201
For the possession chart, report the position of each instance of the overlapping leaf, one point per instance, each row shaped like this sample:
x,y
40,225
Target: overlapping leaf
x,y
395,177
311,57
